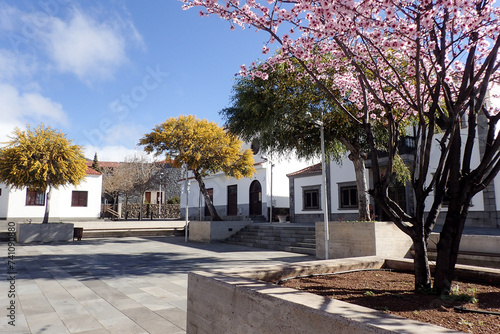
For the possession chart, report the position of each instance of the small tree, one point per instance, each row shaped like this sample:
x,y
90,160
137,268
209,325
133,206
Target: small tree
x,y
95,164
204,147
41,159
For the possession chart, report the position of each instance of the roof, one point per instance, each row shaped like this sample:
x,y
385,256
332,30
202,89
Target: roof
x,y
91,171
314,169
111,164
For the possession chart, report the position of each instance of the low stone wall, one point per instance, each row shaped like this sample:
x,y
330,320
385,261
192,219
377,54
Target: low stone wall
x,y
472,243
168,211
477,250
350,239
52,232
243,302
210,231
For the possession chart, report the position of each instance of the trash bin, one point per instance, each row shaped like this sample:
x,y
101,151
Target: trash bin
x,y
78,233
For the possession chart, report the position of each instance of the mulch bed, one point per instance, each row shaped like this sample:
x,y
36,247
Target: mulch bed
x,y
393,292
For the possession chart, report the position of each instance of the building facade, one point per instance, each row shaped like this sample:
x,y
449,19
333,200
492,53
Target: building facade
x,y
250,198
70,203
306,191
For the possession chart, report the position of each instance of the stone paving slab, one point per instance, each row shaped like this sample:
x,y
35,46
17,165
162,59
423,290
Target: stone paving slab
x,y
112,285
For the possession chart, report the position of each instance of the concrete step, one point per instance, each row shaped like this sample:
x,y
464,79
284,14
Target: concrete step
x,y
132,232
306,245
301,250
300,239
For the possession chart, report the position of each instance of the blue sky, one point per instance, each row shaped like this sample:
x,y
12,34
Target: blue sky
x,y
107,72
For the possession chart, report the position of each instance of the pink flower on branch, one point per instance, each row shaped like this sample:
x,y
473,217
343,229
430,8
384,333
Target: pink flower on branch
x,y
394,40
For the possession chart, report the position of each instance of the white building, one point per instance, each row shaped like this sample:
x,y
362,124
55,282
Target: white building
x,y
306,191
67,203
246,198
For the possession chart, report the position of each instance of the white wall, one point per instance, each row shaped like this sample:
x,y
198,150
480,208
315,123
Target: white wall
x,y
300,182
477,200
281,184
219,183
60,204
341,173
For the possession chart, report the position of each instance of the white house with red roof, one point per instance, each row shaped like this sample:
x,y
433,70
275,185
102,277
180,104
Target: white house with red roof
x,y
70,203
249,198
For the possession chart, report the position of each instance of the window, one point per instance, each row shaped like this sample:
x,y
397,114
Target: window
x,y
232,200
311,198
348,197
35,197
79,198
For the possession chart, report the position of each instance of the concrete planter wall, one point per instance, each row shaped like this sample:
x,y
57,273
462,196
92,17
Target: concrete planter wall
x,y
477,250
212,231
245,302
26,233
351,239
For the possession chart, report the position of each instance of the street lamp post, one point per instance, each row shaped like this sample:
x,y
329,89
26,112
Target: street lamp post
x,y
160,197
271,165
321,125
325,191
175,153
186,192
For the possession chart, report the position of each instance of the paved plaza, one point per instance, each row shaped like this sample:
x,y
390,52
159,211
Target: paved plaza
x,y
111,285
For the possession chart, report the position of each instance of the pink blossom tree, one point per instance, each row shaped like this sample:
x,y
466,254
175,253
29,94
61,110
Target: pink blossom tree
x,y
449,52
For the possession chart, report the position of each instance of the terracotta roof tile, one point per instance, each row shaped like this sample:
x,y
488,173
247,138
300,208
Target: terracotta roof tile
x,y
308,170
111,164
91,171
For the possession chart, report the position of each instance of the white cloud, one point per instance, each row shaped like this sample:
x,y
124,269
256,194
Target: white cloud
x,y
19,108
125,133
114,143
8,17
15,68
113,152
85,47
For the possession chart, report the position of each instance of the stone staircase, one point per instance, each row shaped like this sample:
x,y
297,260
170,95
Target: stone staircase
x,y
284,237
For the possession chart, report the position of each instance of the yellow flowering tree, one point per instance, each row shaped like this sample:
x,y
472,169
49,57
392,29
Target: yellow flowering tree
x,y
204,147
41,159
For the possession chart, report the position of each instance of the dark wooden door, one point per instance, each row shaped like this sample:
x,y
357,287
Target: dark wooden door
x,y
232,200
255,198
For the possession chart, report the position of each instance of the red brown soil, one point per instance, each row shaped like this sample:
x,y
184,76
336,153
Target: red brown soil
x,y
393,292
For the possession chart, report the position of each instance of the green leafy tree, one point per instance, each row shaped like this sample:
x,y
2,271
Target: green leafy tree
x,y
174,200
279,113
95,164
204,147
41,159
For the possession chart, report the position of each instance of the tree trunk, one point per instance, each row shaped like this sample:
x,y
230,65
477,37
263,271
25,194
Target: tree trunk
x,y
47,207
449,239
421,264
208,201
448,246
362,187
140,206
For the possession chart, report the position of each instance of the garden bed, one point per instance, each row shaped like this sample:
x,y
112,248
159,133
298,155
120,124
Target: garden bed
x,y
247,300
393,292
